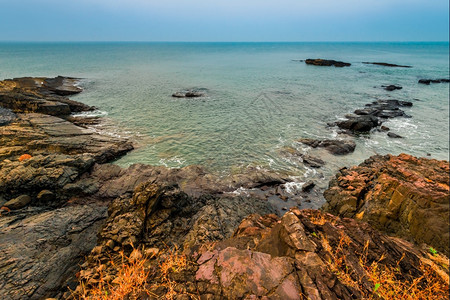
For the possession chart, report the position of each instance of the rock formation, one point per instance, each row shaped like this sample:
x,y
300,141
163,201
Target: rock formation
x,y
401,195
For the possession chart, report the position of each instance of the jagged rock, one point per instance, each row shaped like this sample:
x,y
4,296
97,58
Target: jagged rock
x,y
326,62
19,202
337,147
400,195
386,64
40,251
41,172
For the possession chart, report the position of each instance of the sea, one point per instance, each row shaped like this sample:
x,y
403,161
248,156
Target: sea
x,y
260,98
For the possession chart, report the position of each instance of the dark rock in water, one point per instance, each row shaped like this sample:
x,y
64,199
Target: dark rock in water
x,y
337,147
326,62
312,161
308,186
19,202
189,94
400,195
384,128
394,135
385,64
362,123
6,116
428,81
391,87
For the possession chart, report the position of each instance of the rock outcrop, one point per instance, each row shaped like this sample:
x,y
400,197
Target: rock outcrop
x,y
327,62
306,254
401,195
372,116
41,95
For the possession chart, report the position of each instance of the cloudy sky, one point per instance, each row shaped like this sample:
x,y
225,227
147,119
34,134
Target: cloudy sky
x,y
224,20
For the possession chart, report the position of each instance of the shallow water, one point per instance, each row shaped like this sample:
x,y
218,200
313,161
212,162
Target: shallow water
x,y
259,100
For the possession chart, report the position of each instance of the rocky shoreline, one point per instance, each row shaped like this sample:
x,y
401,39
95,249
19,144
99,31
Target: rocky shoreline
x,y
69,218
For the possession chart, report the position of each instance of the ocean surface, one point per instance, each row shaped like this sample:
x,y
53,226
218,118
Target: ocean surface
x,y
259,98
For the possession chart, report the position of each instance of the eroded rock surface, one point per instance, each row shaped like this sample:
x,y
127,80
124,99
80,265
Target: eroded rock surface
x,y
306,254
40,249
401,195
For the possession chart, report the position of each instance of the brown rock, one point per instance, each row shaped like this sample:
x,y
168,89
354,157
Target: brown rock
x,y
19,202
400,195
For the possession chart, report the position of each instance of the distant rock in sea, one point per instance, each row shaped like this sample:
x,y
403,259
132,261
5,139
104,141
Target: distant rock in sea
x,y
428,81
385,64
391,87
327,62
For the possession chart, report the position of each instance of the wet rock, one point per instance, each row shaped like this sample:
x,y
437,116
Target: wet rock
x,y
391,87
309,160
19,202
62,86
337,147
394,135
326,62
384,128
361,123
386,64
401,195
428,81
308,186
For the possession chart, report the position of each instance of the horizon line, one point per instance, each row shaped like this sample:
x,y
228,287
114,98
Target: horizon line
x,y
144,41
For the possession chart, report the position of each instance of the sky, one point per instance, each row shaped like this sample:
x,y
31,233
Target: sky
x,y
224,20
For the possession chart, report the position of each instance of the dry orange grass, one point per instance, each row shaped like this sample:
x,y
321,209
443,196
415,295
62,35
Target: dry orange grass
x,y
136,278
389,282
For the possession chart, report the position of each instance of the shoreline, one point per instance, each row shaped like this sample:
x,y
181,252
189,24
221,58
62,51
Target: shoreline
x,y
69,183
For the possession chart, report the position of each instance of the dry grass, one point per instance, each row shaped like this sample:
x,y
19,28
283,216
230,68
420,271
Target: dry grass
x,y
130,280
138,276
388,281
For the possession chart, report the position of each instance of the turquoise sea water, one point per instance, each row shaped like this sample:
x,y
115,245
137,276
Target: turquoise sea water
x,y
259,100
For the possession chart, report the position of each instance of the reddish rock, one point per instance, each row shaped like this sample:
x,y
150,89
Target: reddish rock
x,y
400,195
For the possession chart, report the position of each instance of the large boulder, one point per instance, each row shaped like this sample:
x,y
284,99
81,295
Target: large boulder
x,y
400,195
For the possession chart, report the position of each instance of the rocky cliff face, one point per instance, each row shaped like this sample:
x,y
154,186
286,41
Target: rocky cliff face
x,y
400,195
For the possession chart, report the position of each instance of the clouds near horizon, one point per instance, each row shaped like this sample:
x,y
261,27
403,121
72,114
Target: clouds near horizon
x,y
232,20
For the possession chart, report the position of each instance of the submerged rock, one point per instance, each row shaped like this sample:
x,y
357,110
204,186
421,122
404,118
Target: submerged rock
x,y
394,135
326,62
428,81
400,195
337,147
189,94
391,87
385,64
